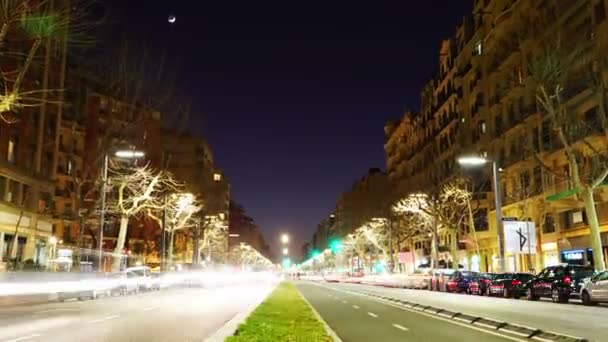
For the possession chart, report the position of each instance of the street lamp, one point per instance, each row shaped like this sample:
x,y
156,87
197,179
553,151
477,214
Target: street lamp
x,y
477,161
123,154
285,251
285,239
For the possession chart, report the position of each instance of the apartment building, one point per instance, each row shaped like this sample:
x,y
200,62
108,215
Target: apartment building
x,y
480,103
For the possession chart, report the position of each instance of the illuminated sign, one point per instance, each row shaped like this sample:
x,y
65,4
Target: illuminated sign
x,y
570,256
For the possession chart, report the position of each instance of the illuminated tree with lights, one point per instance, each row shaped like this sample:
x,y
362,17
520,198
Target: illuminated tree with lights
x,y
247,256
215,237
179,210
135,190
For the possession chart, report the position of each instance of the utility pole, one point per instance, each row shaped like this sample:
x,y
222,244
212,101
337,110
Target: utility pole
x,y
163,236
102,216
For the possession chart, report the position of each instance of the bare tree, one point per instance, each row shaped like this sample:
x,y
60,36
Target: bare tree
x,y
34,24
563,68
247,256
136,190
215,237
179,209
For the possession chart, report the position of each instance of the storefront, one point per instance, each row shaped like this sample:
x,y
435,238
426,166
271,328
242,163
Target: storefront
x,y
550,254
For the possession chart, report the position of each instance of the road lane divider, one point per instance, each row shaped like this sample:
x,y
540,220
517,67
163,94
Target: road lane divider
x,y
355,307
344,302
24,338
107,318
400,327
372,314
488,325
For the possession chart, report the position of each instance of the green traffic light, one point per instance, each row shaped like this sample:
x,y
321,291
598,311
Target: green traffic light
x,y
335,245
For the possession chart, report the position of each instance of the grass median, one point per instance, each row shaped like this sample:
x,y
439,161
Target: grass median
x,y
283,316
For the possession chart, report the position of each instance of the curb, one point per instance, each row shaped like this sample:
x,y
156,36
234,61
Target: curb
x,y
328,329
229,328
480,322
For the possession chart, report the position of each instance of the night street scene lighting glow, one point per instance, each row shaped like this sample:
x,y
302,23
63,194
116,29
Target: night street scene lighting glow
x,y
321,171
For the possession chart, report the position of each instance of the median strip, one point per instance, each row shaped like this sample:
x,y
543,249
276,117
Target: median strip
x,y
283,316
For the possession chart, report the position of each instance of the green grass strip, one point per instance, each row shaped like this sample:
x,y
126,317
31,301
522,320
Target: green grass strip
x,y
284,316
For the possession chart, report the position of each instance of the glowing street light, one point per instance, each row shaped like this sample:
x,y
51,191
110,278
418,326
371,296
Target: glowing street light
x,y
285,239
285,251
478,161
129,154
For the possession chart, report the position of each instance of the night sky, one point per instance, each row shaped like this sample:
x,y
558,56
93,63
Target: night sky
x,y
293,95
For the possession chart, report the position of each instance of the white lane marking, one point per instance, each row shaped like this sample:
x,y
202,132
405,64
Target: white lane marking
x,y
150,308
425,314
23,338
344,302
400,327
355,307
103,319
372,314
55,310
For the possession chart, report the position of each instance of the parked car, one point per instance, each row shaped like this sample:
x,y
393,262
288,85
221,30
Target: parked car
x,y
124,283
479,285
595,289
159,281
509,285
459,281
91,287
143,274
560,283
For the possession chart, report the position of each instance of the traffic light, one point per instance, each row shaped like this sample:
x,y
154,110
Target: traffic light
x,y
335,245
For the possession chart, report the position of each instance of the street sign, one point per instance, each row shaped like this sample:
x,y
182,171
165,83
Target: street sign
x,y
520,237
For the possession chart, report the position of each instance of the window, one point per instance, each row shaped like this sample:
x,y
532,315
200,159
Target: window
x,y
8,194
538,178
600,12
549,224
482,127
478,49
69,168
12,146
481,220
217,177
524,180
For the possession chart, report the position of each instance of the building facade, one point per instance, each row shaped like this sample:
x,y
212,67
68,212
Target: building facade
x,y
480,102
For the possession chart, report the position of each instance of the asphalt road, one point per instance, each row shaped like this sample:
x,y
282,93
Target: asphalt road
x,y
357,318
181,314
571,319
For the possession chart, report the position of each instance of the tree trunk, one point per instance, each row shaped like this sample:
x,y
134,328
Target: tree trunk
x,y
454,248
472,226
434,250
594,229
120,243
170,249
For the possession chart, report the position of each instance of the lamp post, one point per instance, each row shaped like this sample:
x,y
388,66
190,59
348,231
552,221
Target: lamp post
x,y
284,239
477,161
123,154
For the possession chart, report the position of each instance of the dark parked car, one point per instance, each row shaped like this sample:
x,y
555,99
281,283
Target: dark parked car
x,y
560,283
479,285
510,285
459,281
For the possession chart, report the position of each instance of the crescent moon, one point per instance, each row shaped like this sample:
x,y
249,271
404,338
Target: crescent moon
x,y
171,19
